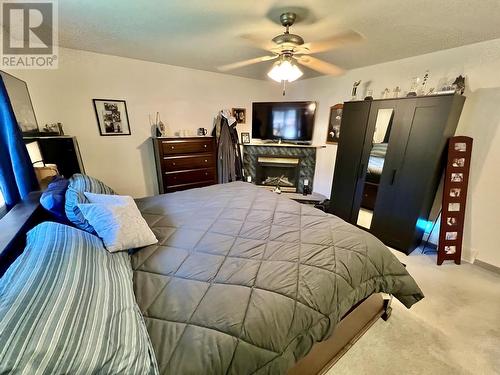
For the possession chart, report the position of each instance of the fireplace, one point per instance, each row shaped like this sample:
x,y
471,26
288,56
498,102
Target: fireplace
x,y
293,164
282,171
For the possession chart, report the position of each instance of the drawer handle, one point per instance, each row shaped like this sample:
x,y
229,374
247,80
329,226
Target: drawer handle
x,y
206,173
206,161
205,146
173,163
172,147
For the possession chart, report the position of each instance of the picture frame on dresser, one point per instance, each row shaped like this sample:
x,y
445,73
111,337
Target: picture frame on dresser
x,y
112,117
245,138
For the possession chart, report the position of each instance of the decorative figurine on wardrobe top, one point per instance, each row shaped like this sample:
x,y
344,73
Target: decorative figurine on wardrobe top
x,y
421,91
396,92
459,85
354,93
413,88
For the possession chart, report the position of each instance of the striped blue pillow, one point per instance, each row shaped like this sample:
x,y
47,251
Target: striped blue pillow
x,y
67,306
78,185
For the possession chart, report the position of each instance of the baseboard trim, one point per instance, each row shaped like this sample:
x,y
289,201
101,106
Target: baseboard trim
x,y
487,266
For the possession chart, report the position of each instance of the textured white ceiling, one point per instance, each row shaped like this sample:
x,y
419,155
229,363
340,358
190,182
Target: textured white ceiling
x,y
203,34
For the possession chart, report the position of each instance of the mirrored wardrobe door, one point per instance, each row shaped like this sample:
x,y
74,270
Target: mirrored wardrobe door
x,y
378,133
375,165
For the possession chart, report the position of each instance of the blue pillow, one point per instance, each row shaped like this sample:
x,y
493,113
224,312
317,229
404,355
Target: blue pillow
x,y
78,185
53,198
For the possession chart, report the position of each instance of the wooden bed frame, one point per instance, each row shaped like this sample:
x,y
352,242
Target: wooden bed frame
x,y
353,325
321,358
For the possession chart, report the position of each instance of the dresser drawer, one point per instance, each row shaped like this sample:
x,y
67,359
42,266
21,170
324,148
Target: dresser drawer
x,y
189,176
171,189
172,147
178,163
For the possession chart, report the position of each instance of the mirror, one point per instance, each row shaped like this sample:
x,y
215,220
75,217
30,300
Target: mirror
x,y
375,165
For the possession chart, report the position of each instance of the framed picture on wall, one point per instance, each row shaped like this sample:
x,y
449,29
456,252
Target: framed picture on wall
x,y
333,135
112,117
240,114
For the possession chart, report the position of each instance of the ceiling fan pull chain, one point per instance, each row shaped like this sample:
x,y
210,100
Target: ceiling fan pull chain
x,y
284,87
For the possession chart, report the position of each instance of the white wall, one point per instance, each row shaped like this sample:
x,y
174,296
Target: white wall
x,y
480,119
185,98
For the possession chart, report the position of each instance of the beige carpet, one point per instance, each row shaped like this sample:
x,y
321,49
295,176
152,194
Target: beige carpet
x,y
454,330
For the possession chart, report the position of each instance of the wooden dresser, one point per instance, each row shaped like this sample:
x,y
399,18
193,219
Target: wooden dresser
x,y
184,163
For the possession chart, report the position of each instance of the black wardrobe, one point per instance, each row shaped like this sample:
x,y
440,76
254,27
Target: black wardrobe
x,y
390,159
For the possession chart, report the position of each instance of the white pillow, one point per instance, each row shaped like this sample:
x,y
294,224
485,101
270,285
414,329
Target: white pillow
x,y
108,198
120,224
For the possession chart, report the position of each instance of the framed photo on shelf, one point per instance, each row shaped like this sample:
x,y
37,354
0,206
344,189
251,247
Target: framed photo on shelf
x,y
333,134
245,138
112,117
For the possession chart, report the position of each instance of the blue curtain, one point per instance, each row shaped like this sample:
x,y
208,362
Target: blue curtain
x,y
17,176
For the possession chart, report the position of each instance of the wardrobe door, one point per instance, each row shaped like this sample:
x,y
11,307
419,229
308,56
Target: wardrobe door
x,y
349,153
382,121
407,192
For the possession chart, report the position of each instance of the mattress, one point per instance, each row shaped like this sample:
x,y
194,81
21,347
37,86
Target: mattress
x,y
245,281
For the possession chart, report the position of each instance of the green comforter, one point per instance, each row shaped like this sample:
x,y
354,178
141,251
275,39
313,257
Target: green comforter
x,y
245,281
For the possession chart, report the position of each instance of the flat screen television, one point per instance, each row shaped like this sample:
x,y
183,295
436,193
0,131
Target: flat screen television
x,y
283,121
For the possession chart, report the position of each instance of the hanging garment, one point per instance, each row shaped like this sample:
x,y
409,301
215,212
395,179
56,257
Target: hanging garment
x,y
229,161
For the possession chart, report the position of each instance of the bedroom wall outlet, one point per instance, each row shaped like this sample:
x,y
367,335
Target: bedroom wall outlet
x,y
249,178
306,182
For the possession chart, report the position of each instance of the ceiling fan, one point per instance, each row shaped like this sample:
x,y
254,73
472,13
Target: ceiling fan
x,y
290,49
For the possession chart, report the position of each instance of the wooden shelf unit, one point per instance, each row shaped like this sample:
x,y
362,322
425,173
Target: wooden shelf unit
x,y
454,199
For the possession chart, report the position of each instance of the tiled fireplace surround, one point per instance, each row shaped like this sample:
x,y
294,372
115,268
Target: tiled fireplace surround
x,y
296,162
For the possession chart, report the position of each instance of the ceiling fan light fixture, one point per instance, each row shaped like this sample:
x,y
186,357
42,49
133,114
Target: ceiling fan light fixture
x,y
284,70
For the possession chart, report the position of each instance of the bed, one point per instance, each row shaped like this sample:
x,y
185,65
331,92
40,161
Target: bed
x,y
245,281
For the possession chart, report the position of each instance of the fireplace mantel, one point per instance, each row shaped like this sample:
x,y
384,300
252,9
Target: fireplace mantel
x,y
305,154
272,144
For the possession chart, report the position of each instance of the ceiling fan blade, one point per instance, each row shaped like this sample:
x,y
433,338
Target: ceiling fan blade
x,y
240,64
319,65
266,45
328,44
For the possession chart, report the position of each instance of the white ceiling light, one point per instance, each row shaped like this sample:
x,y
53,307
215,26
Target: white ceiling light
x,y
284,70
